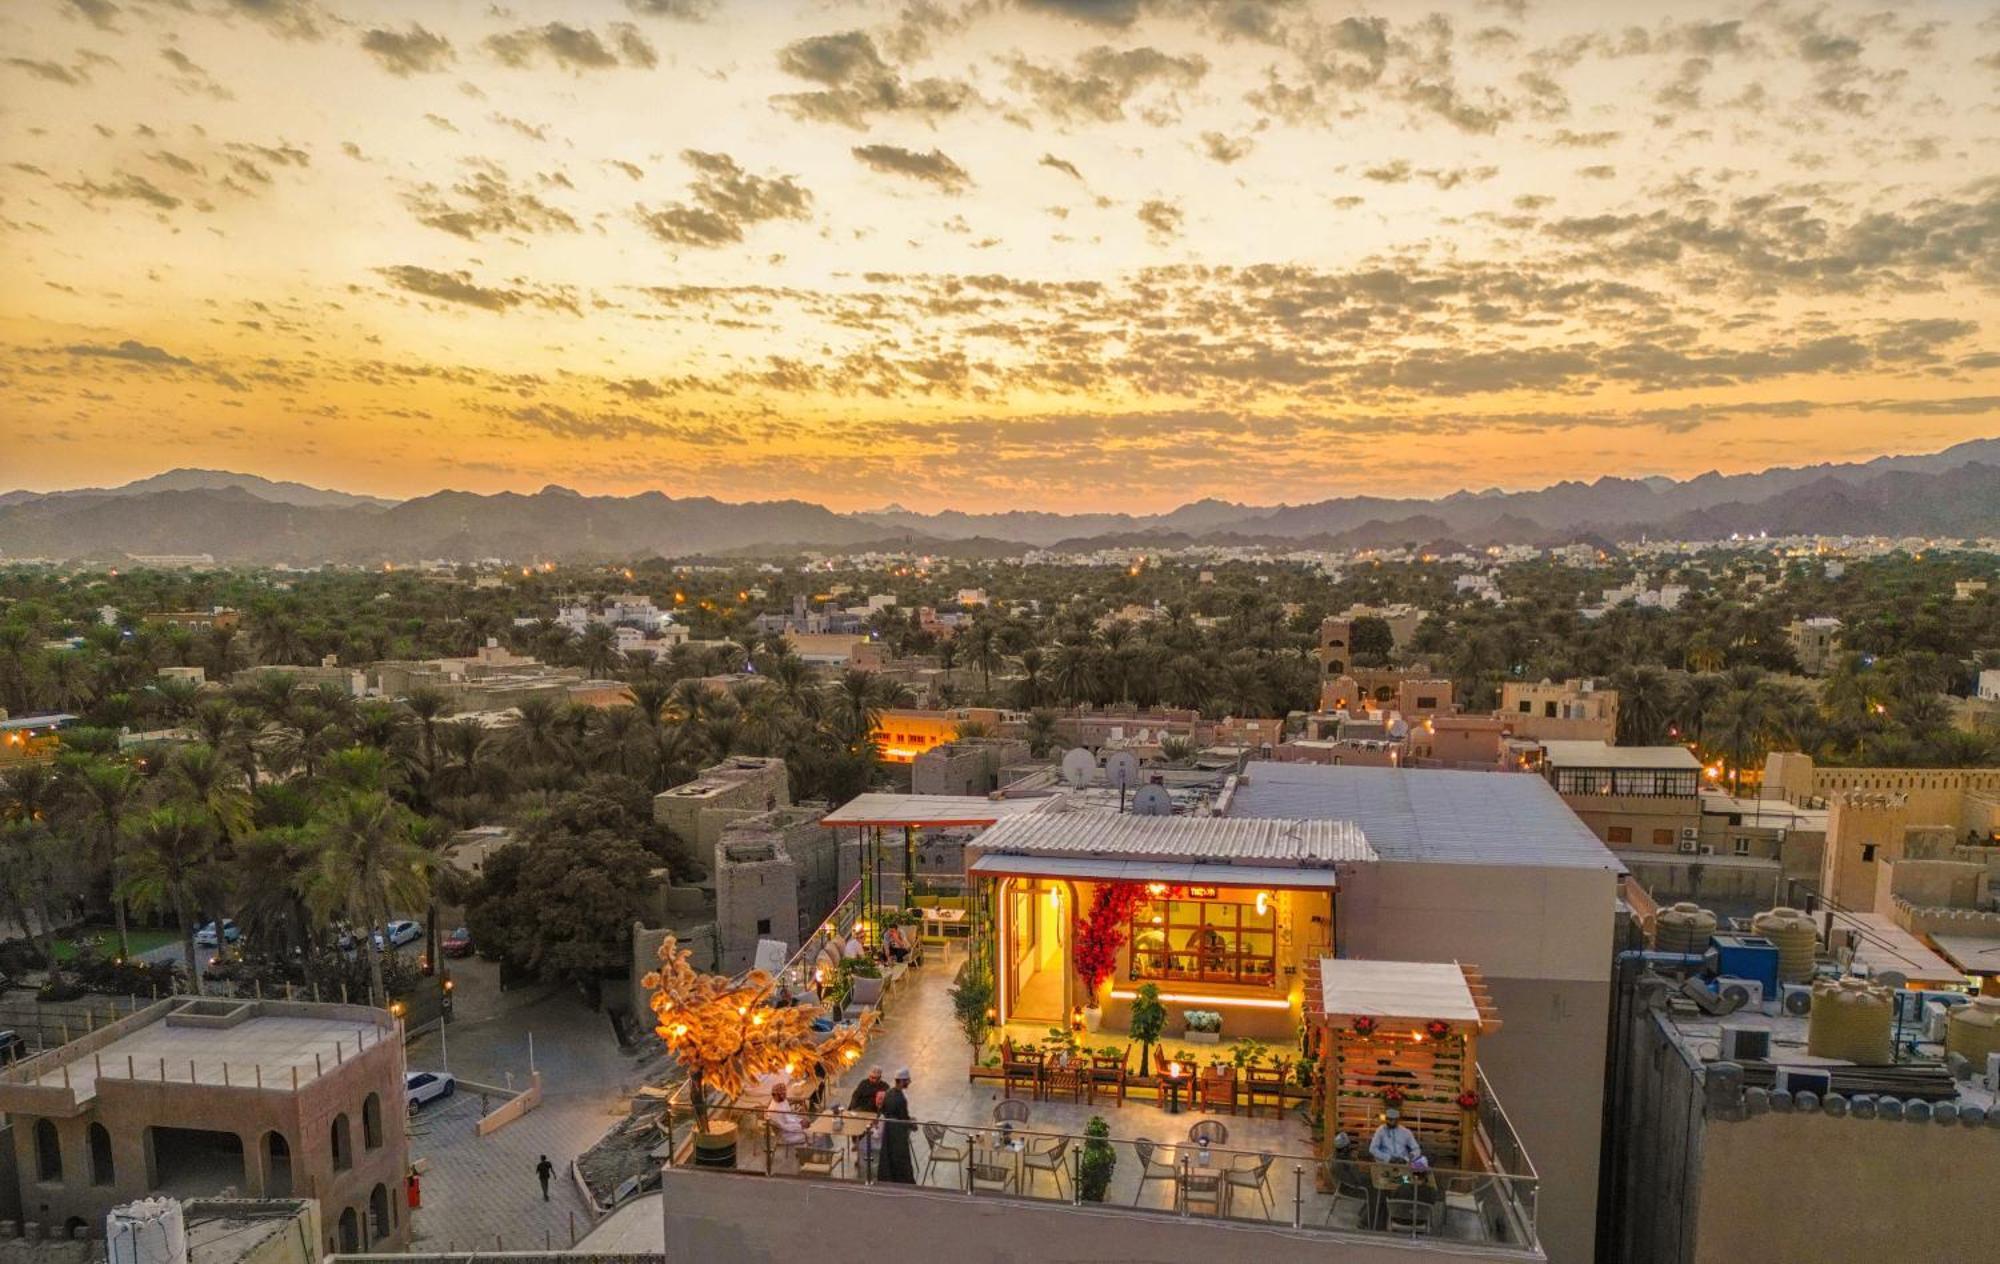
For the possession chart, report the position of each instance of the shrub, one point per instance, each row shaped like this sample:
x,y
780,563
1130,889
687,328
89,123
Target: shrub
x,y
1100,1158
1202,1019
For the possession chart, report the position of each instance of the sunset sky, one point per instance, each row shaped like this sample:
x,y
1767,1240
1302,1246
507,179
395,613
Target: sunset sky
x,y
1063,254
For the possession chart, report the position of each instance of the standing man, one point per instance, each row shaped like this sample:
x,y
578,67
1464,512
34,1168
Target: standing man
x,y
863,1097
545,1170
899,1163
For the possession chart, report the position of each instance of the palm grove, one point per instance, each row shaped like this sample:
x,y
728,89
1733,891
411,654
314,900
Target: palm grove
x,y
303,811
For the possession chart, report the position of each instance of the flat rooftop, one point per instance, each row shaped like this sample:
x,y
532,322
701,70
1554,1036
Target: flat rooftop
x,y
1069,828
1569,754
922,810
238,1043
1428,814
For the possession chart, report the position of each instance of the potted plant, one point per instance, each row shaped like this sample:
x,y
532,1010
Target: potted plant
x,y
972,1004
725,1035
1149,1019
1248,1051
1100,1159
1203,1026
1100,935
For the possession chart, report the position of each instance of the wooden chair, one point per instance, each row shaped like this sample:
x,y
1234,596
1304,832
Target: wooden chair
x,y
1267,1083
1151,1168
1022,1065
1246,1175
1066,1080
1216,1088
942,1151
1035,1162
1107,1076
1208,1132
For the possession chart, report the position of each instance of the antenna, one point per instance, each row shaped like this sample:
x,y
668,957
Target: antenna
x,y
1121,769
1077,766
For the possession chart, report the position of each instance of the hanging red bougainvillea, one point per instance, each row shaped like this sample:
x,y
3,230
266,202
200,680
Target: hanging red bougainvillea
x,y
1101,932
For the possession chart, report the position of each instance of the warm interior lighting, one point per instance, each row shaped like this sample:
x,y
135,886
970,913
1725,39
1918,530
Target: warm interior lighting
x,y
1174,1070
1195,998
1156,889
1263,902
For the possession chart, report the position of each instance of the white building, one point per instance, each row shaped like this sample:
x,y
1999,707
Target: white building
x,y
1989,685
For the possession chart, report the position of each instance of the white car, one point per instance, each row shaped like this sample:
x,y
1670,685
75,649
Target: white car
x,y
206,936
404,931
425,1086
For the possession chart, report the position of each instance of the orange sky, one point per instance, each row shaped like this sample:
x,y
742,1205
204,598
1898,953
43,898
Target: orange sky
x,y
1064,254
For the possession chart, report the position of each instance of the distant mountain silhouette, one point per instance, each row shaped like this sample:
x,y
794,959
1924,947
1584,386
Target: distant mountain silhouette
x,y
238,517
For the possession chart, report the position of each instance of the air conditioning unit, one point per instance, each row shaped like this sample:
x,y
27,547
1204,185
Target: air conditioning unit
x,y
1937,1013
1910,1011
1687,846
1796,1080
1707,850
1689,833
1797,999
1750,991
1745,1044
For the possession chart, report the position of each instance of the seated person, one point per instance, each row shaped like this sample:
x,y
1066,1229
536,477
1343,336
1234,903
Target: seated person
x,y
1392,1142
786,1125
898,944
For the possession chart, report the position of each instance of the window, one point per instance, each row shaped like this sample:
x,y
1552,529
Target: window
x,y
1426,704
1663,838
1618,833
1742,846
1212,941
371,1122
102,1171
1549,710
1527,707
1868,853
48,1151
343,1144
763,926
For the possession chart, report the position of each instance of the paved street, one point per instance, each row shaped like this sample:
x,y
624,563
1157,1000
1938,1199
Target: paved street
x,y
479,1189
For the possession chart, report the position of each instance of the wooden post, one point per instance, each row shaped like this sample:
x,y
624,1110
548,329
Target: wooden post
x,y
295,1077
131,1067
225,1074
163,1069
257,1073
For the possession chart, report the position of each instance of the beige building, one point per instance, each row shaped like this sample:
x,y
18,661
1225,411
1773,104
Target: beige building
x,y
194,1098
1572,710
1814,642
744,785
1643,797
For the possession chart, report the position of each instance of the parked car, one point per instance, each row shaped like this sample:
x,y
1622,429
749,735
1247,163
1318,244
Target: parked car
x,y
206,936
404,931
12,1047
425,1086
458,943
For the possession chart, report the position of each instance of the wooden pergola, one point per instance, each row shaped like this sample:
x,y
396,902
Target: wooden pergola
x,y
1401,1033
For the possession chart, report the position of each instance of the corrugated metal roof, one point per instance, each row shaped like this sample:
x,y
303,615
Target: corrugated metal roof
x,y
1149,870
928,810
1429,814
1600,755
1064,829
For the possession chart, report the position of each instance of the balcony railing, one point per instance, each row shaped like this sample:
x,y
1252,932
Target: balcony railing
x,y
1490,1208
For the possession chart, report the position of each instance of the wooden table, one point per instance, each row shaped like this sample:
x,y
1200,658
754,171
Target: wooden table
x,y
941,924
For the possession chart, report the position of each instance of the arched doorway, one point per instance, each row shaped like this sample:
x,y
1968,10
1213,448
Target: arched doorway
x,y
350,1231
1038,914
277,1166
371,1122
102,1169
48,1151
378,1214
343,1144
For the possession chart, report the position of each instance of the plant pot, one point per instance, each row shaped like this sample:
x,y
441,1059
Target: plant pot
x,y
1202,1037
715,1146
1093,1017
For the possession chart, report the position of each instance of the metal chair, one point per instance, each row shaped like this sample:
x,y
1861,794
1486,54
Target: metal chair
x,y
1208,1132
1349,1181
815,1160
1050,1160
1011,1110
1151,1169
1413,1216
1251,1176
941,1151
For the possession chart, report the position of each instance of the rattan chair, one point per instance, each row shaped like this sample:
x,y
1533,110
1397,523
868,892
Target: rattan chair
x,y
1010,1110
1208,1132
1035,1162
816,1160
1251,1176
1151,1169
942,1151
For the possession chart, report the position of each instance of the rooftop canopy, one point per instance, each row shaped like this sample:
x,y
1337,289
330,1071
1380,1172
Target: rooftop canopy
x,y
1067,829
1602,755
1408,993
927,810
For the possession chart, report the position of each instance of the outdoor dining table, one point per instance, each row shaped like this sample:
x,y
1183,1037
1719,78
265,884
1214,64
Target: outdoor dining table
x,y
853,1126
1004,1155
1201,1177
1392,1180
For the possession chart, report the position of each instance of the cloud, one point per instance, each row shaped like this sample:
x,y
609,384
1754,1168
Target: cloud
x,y
191,78
459,287
932,168
290,19
53,72
1102,81
681,10
859,82
575,49
123,187
1060,164
485,203
726,199
132,350
1226,149
101,14
412,52
1162,219
1118,14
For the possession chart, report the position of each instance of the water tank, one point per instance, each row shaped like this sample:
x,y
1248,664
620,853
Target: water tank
x,y
146,1232
1974,1030
1851,1020
1797,940
1685,928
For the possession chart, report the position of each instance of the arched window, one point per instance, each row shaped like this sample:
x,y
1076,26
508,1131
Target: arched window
x,y
371,1122
343,1144
277,1166
349,1232
48,1151
102,1171
378,1214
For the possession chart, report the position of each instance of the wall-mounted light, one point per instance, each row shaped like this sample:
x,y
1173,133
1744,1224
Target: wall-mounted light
x,y
1263,902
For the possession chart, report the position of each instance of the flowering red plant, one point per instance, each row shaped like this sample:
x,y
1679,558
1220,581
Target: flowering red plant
x,y
1468,1100
1392,1095
1101,932
1364,1025
1438,1028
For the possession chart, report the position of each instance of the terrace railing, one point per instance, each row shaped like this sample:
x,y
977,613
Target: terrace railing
x,y
1493,1209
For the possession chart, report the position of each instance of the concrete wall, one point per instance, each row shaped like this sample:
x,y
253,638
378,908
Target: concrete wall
x,y
696,812
779,870
1642,815
711,1216
965,767
1733,882
1542,937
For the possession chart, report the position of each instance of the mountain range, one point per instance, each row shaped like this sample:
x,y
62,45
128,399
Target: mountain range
x,y
244,518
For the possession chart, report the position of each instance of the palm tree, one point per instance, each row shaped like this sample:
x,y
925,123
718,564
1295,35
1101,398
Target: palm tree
x,y
30,865
1645,697
368,868
198,779
170,865
1042,736
110,792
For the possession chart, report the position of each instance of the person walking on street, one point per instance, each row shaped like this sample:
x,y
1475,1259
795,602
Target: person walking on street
x,y
545,1170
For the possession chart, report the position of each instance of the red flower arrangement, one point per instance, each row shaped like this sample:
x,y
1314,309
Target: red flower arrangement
x,y
1392,1096
1468,1100
1438,1028
1101,932
1364,1025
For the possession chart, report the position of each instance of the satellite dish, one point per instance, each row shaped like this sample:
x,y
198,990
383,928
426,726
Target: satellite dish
x,y
1121,769
1078,765
1152,801
1892,978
